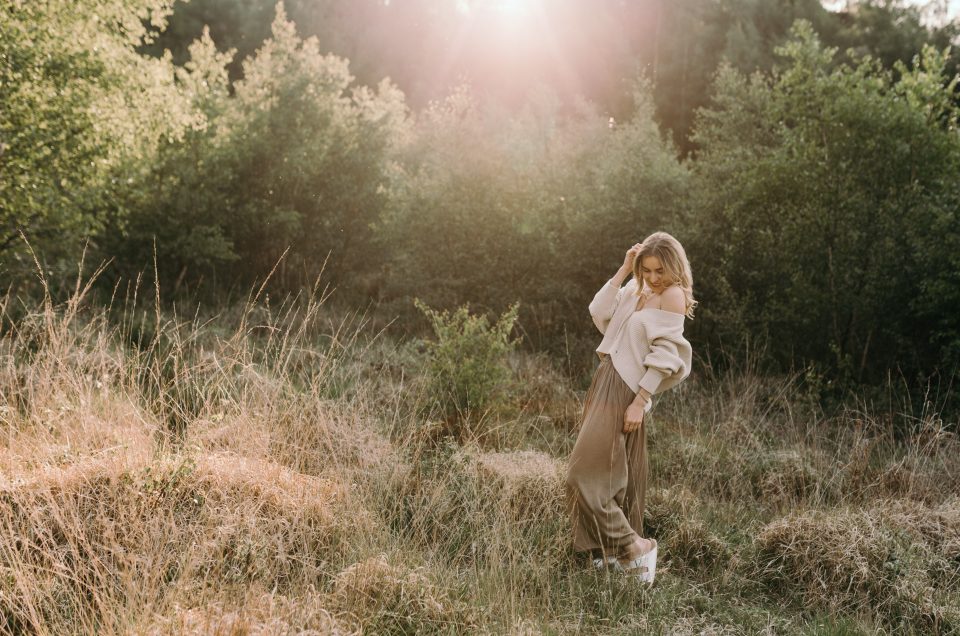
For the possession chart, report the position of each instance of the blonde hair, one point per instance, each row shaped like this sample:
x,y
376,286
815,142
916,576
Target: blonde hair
x,y
675,265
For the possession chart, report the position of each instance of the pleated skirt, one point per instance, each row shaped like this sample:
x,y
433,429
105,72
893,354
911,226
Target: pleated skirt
x,y
607,472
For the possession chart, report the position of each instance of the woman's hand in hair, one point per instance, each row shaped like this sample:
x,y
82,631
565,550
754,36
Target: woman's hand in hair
x,y
631,256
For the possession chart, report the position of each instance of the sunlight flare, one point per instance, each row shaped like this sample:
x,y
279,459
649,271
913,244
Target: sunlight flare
x,y
512,8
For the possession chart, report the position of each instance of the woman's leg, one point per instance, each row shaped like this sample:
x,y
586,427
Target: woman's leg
x,y
635,493
597,477
637,473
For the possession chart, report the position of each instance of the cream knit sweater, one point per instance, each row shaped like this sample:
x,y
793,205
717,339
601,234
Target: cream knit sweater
x,y
647,347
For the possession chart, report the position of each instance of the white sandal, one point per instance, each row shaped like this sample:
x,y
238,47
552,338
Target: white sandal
x,y
644,567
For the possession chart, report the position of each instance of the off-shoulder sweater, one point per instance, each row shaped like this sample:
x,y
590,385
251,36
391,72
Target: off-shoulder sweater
x,y
647,347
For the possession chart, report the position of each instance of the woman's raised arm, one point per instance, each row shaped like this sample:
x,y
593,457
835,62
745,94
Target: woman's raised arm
x,y
605,301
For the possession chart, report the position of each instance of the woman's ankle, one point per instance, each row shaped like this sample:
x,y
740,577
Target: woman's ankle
x,y
638,548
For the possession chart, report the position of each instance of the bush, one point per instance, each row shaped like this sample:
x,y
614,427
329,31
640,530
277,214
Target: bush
x,y
467,364
547,198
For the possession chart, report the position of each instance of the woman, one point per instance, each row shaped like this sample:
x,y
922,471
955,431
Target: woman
x,y
643,352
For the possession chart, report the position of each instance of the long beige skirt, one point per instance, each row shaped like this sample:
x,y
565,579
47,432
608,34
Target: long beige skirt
x,y
607,473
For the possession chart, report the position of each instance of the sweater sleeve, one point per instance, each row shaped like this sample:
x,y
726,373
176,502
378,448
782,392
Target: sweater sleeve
x,y
604,304
670,353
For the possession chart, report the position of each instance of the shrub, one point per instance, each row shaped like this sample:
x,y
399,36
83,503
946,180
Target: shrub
x,y
293,156
545,197
467,363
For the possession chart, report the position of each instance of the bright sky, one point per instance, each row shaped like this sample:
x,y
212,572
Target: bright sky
x,y
952,7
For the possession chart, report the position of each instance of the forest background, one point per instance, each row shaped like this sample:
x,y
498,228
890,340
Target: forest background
x,y
494,152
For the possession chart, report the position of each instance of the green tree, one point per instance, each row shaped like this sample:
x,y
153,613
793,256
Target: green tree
x,y
294,158
891,31
429,46
78,104
827,221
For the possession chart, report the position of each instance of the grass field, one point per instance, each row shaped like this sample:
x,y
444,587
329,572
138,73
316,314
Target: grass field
x,y
280,470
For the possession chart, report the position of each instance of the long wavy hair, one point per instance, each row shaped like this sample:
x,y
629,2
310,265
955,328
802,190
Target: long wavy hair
x,y
675,266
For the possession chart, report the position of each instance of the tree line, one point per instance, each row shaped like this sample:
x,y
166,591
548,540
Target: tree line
x,y
425,46
816,191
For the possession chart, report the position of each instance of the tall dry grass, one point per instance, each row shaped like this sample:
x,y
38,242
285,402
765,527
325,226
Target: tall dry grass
x,y
152,464
275,468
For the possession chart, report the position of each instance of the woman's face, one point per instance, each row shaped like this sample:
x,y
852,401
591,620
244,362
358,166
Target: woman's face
x,y
653,273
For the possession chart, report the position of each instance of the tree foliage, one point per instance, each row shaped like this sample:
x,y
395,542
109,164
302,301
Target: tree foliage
x,y
293,157
489,208
817,196
78,104
827,198
429,46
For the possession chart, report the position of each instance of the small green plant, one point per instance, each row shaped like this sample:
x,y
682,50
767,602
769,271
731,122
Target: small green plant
x,y
467,362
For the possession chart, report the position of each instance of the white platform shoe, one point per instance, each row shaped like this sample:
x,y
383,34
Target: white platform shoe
x,y
644,567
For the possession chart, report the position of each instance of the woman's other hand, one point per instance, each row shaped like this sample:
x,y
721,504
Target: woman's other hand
x,y
633,418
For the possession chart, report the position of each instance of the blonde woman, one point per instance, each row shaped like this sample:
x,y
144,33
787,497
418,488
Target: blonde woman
x,y
643,352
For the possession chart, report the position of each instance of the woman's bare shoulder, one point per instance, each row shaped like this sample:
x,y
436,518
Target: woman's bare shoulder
x,y
673,299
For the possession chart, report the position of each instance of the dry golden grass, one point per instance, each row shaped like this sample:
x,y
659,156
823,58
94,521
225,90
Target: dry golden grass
x,y
88,543
133,478
672,516
378,596
273,470
256,612
896,558
473,506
